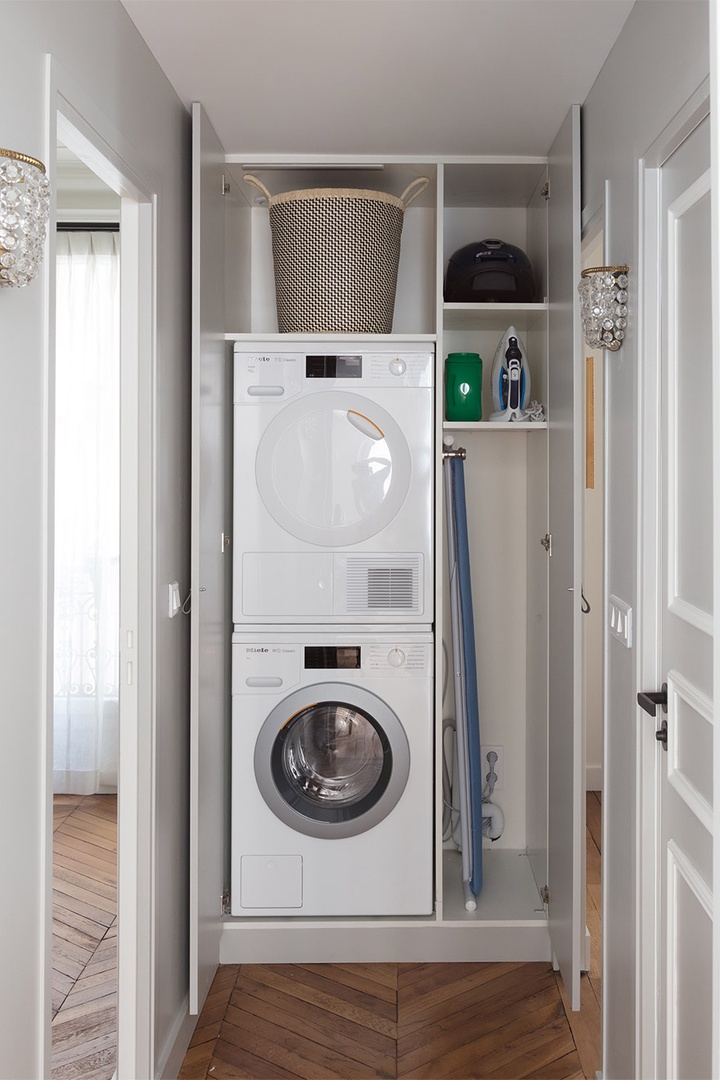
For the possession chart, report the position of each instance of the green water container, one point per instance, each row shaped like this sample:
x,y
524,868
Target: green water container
x,y
463,386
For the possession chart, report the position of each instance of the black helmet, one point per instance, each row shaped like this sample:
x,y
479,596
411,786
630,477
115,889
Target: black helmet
x,y
489,271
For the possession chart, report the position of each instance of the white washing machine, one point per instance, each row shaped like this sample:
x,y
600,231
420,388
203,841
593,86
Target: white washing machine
x,y
333,483
332,766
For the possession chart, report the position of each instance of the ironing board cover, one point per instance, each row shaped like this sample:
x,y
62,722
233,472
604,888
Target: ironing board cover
x,y
467,645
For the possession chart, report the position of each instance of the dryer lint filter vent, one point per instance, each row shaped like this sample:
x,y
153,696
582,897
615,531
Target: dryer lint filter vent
x,y
384,585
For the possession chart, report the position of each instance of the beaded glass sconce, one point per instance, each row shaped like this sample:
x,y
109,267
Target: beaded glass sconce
x,y
24,210
603,306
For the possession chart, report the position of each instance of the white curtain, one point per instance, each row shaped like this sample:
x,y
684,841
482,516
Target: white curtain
x,y
87,507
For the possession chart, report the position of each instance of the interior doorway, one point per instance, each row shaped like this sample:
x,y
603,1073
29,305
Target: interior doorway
x,y
135,623
86,621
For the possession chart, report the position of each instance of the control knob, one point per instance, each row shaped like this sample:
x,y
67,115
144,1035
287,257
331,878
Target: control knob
x,y
396,658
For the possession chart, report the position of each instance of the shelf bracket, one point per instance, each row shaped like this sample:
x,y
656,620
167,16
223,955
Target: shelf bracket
x,y
547,543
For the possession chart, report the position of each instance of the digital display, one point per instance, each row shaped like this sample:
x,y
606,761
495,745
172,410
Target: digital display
x,y
333,366
329,657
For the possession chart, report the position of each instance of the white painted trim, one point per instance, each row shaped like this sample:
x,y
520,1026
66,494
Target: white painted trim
x,y
46,281
690,613
677,130
604,1035
648,605
715,196
172,1054
76,121
260,942
136,893
678,865
648,671
679,687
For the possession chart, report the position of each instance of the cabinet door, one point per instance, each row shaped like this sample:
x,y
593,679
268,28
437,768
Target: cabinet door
x,y
566,814
210,570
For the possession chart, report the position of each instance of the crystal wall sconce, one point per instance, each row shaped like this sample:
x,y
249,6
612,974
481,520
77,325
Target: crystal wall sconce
x,y
603,306
24,211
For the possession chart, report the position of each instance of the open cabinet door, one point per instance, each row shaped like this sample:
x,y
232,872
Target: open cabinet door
x,y
210,572
566,813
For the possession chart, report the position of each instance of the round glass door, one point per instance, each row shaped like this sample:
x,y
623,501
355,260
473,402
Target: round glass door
x,y
332,761
333,468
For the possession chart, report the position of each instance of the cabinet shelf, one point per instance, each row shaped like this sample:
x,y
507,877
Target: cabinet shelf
x,y
486,425
277,337
490,316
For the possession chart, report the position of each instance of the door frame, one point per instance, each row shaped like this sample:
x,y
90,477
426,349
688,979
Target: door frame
x,y
73,119
647,659
715,242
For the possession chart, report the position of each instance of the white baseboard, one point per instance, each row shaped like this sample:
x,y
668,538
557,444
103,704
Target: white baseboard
x,y
173,1053
593,777
350,943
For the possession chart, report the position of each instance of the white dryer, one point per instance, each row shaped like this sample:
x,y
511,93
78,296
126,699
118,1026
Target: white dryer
x,y
333,483
332,766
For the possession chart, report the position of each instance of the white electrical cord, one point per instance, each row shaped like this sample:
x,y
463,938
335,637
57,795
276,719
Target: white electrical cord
x,y
493,821
534,412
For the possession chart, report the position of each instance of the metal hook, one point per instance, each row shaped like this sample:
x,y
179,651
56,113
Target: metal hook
x,y
585,605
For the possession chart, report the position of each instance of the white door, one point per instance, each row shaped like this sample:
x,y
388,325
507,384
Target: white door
x,y
680,703
566,776
210,563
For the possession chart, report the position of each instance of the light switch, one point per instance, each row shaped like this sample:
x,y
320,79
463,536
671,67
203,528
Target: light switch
x,y
620,620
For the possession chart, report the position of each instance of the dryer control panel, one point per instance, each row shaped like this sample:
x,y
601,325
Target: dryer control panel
x,y
269,376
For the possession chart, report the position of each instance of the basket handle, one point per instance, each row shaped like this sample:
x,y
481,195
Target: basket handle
x,y
420,183
250,179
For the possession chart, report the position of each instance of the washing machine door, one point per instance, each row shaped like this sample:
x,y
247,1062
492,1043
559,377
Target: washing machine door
x,y
332,760
333,468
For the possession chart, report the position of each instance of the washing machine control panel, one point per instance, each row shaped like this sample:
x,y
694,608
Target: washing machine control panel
x,y
271,667
407,658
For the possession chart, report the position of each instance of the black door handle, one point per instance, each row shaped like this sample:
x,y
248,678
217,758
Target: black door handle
x,y
649,701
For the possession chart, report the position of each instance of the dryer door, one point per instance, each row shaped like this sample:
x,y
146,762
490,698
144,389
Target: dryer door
x,y
332,760
333,468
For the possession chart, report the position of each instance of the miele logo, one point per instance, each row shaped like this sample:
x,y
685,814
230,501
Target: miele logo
x,y
256,650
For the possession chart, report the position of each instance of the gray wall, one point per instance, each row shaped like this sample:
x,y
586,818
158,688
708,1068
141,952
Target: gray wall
x,y
660,58
98,47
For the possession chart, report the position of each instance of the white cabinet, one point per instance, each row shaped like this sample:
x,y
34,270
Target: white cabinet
x,y
526,614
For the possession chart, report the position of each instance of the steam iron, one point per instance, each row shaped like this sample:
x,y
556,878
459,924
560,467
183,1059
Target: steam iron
x,y
510,378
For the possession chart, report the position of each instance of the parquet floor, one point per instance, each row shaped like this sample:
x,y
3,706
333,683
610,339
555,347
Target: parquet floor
x,y
437,1021
84,1036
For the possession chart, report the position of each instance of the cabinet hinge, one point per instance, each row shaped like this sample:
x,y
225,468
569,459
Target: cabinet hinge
x,y
224,543
225,185
547,543
545,894
225,902
545,191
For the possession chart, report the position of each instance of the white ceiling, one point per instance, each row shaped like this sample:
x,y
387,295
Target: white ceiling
x,y
437,77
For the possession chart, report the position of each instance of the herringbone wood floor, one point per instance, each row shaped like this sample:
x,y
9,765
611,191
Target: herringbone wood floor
x,y
273,1021
84,1038
438,1021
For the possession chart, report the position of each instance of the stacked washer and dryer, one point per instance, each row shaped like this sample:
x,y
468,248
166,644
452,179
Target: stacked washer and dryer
x,y
332,655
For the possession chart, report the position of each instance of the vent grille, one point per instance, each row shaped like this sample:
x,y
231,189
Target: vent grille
x,y
384,585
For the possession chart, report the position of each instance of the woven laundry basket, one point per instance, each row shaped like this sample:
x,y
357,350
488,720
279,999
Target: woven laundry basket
x,y
335,254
